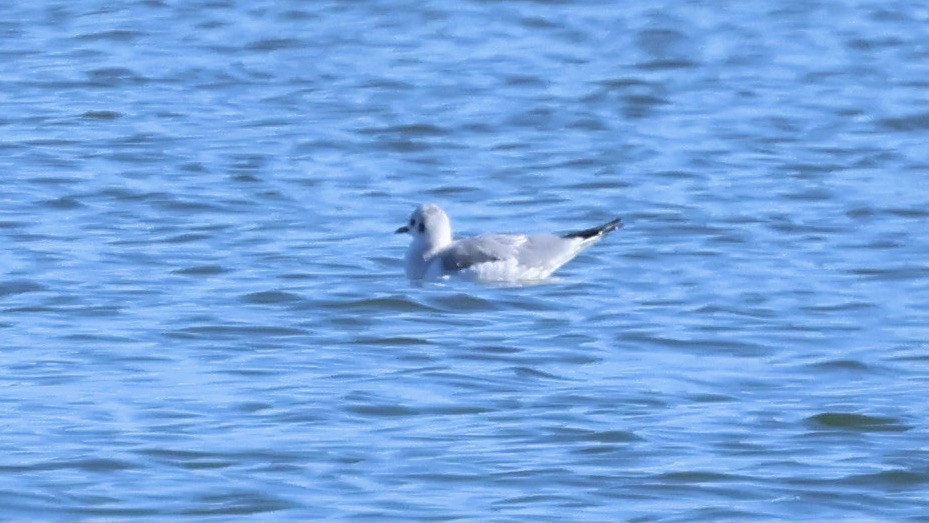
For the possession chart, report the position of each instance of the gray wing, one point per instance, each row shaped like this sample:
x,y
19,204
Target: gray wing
x,y
547,250
480,249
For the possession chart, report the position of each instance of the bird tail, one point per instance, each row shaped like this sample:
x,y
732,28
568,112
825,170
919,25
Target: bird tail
x,y
595,232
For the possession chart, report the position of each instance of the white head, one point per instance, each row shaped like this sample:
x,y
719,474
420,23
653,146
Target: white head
x,y
430,227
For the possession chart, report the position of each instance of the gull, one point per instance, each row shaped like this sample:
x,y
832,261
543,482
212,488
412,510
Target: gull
x,y
433,254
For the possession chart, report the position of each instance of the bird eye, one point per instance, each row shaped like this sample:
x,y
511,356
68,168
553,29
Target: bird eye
x,y
422,227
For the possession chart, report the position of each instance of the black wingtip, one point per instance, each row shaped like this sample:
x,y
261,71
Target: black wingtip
x,y
600,230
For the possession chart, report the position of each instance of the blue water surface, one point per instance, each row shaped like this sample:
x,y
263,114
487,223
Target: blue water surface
x,y
203,313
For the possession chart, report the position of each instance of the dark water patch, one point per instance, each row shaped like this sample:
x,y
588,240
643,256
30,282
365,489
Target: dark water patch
x,y
491,353
588,124
234,331
251,373
193,167
402,145
236,503
208,464
892,479
601,450
186,238
891,273
730,238
666,64
52,380
626,82
92,511
274,44
523,80
524,473
538,22
563,434
50,142
101,465
347,321
245,178
114,35
178,457
526,302
455,410
789,226
858,422
460,303
880,244
747,312
102,115
96,336
188,206
453,191
908,212
478,384
252,163
641,105
529,372
12,287
382,411
270,297
420,370
536,499
416,130
393,341
699,476
710,398
634,98
843,365
924,357
114,77
805,171
64,203
130,195
498,349
446,477
720,346
905,123
298,15
201,270
597,185
253,406
724,514
869,44
810,195
387,84
88,311
849,306
678,175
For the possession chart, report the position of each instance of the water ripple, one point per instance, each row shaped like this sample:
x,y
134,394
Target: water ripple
x,y
859,422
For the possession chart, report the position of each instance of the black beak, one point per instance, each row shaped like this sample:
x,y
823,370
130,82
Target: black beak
x,y
402,230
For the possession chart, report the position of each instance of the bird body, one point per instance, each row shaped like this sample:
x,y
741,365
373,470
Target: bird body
x,y
433,254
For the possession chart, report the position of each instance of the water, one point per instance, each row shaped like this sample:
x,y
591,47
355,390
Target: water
x,y
203,313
